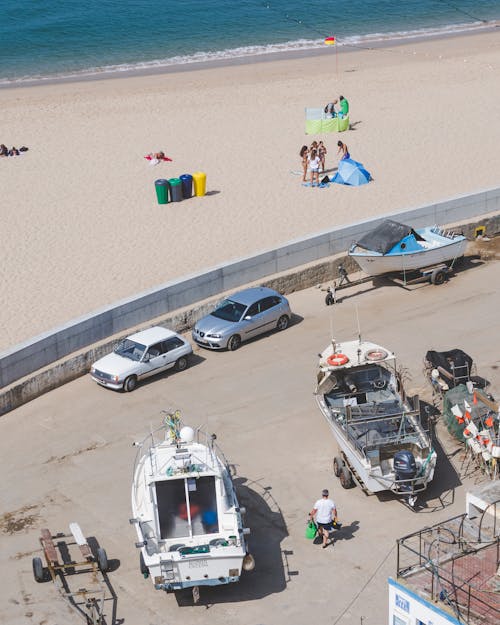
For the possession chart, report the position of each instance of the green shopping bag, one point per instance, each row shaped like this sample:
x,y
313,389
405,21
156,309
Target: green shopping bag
x,y
311,530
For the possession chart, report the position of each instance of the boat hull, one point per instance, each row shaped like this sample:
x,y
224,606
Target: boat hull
x,y
190,571
375,264
372,481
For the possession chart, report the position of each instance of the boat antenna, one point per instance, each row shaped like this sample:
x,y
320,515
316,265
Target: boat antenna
x,y
359,325
334,344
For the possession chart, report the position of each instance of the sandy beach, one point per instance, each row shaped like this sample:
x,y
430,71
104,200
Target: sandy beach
x,y
81,227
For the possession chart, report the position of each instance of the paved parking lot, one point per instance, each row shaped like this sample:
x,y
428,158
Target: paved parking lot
x,y
68,456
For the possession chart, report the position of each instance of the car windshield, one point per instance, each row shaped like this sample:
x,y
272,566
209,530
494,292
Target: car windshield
x,y
229,311
130,349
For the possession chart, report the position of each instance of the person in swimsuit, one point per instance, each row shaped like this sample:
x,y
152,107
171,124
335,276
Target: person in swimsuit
x,y
304,153
343,150
314,164
322,154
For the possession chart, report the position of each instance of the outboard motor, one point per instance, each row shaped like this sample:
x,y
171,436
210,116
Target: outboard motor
x,y
405,468
351,385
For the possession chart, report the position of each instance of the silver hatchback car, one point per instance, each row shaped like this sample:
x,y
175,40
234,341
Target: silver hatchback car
x,y
241,317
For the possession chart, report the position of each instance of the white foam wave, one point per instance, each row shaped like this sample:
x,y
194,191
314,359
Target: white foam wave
x,y
358,41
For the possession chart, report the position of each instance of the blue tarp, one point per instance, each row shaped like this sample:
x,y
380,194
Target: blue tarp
x,y
351,172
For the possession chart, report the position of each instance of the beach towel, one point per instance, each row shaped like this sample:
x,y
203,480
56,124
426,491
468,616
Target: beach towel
x,y
321,185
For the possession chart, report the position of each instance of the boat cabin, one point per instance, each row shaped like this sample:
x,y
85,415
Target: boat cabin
x,y
187,507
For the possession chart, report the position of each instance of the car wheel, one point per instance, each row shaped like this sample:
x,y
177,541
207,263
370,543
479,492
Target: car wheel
x,y
181,364
130,384
283,322
234,342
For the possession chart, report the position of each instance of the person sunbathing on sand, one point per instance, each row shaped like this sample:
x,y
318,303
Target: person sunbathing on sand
x,y
156,157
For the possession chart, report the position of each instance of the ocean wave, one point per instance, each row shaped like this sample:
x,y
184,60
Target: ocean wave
x,y
201,57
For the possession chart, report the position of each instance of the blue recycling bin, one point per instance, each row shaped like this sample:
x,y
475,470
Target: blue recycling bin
x,y
161,187
187,185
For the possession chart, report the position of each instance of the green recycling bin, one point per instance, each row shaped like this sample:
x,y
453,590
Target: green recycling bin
x,y
175,189
161,186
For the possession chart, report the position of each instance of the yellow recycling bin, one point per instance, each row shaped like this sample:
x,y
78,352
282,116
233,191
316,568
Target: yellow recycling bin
x,y
200,183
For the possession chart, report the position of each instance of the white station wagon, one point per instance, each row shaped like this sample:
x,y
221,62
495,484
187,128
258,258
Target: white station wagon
x,y
141,355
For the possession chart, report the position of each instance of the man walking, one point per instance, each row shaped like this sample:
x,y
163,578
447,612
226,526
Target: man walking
x,y
324,514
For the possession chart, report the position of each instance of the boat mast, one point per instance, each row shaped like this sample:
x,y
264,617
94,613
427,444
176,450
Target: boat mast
x,y
359,334
334,344
359,325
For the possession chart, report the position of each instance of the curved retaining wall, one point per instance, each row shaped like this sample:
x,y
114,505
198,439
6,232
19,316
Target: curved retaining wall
x,y
32,355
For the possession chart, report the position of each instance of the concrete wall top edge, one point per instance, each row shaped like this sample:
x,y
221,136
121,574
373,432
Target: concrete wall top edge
x,y
227,273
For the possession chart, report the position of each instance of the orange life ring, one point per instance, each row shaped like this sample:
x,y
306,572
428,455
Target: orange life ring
x,y
376,354
337,360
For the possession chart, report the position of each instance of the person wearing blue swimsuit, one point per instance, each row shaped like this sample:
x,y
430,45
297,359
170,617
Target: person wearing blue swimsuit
x,y
343,150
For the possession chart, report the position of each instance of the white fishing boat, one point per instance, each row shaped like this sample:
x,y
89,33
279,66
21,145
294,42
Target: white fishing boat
x,y
393,247
383,444
185,510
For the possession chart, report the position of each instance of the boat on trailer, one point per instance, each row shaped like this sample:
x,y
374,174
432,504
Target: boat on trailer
x,y
468,409
185,511
393,247
383,444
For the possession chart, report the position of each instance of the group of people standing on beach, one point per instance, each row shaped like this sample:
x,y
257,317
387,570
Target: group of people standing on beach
x,y
313,159
313,156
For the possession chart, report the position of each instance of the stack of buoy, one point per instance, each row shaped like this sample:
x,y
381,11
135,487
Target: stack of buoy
x,y
478,441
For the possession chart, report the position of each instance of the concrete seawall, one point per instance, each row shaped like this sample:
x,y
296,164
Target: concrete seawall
x,y
67,352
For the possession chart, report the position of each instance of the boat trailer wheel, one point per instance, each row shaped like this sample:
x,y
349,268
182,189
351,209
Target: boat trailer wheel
x,y
338,463
346,478
438,276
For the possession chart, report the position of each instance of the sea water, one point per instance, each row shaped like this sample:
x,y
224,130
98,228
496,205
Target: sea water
x,y
54,39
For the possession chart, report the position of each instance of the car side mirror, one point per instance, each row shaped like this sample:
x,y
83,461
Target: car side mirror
x,y
146,358
248,317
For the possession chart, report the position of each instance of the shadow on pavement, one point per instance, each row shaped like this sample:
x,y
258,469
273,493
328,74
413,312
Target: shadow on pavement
x,y
194,359
268,529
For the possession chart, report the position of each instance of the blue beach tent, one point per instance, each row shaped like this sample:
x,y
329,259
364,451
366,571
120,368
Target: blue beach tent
x,y
352,173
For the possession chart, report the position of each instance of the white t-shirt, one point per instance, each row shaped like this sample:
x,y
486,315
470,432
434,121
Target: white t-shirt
x,y
324,509
314,163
